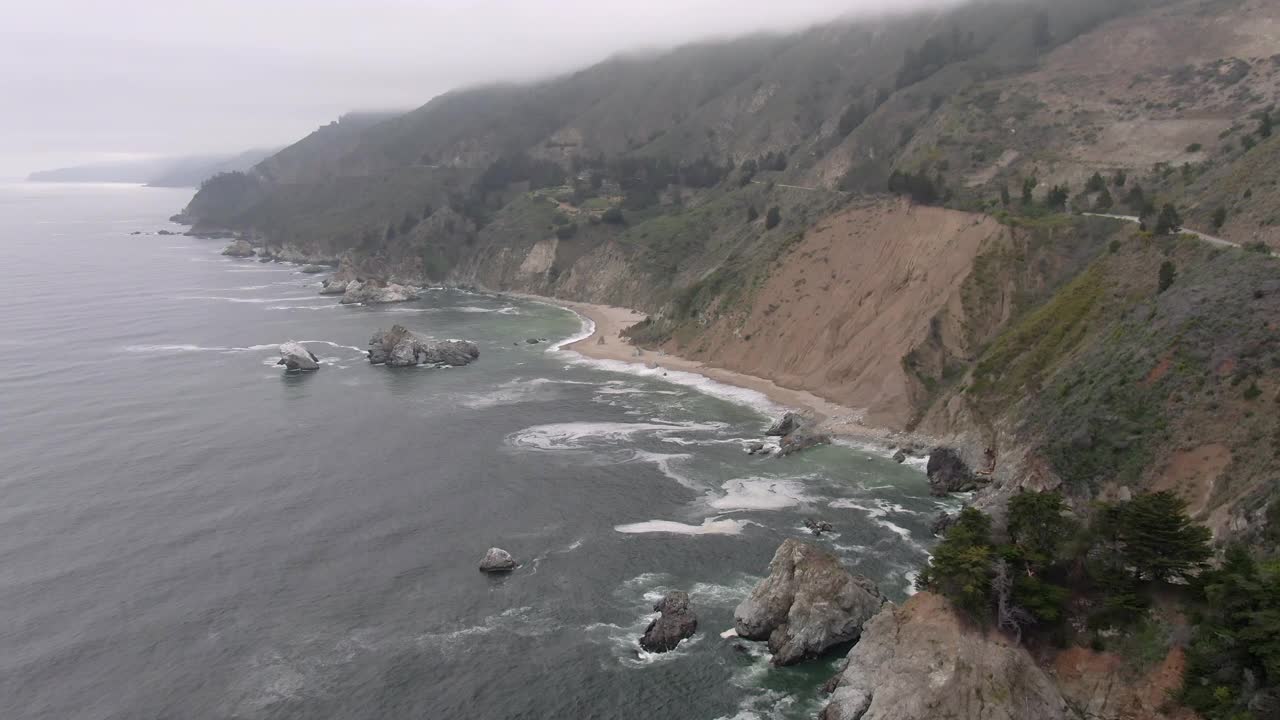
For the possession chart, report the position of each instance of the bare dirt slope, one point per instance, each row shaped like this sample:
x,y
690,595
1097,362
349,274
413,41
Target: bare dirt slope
x,y
848,302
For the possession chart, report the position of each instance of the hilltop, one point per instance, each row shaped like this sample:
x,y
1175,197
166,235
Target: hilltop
x,y
740,192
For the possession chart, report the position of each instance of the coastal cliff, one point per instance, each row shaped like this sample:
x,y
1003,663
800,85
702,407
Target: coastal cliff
x,y
903,217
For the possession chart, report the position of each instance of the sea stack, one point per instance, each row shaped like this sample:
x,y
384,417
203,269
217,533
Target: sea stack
x,y
497,560
400,347
808,604
676,623
295,356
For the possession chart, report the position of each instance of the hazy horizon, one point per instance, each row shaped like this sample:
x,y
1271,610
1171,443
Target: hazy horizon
x,y
99,83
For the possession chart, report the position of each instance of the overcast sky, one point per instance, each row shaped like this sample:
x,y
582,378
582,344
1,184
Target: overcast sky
x,y
85,80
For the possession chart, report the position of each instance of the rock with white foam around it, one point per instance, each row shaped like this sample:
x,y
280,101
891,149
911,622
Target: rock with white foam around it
x,y
399,347
497,560
295,356
808,604
376,293
676,623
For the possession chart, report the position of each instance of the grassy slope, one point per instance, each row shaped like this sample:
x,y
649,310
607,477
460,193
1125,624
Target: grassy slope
x,y
1111,380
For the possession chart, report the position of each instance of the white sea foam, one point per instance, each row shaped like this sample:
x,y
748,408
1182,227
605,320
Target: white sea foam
x,y
758,493
170,348
255,301
910,577
508,310
878,513
663,461
578,435
710,526
182,347
330,306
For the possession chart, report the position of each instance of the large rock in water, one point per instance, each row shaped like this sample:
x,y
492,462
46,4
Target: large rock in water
x,y
334,286
497,560
948,472
785,425
240,249
676,623
800,439
809,603
922,661
370,292
399,347
295,356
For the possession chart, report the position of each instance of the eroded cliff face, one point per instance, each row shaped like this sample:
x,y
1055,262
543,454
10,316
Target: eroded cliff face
x,y
841,309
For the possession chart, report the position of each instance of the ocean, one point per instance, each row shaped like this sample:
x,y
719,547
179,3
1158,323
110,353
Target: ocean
x,y
188,531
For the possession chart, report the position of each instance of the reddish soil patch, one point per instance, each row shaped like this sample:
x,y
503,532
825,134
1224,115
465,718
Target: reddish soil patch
x,y
1159,371
1192,473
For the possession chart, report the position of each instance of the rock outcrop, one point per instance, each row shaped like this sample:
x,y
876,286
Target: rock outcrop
x,y
800,439
942,522
334,286
794,434
922,661
817,526
312,269
676,623
400,347
296,356
239,249
808,604
371,292
948,473
785,425
497,560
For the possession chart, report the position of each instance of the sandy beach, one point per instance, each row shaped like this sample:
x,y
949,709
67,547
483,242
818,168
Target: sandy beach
x,y
611,321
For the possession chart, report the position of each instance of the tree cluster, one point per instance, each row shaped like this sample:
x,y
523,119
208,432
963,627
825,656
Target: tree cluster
x,y
1050,556
1233,663
918,186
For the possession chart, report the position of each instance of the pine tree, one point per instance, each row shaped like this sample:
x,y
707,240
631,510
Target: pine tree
x,y
1057,197
1038,525
1158,539
1264,125
772,218
960,568
1104,201
1168,221
1095,183
1168,273
1219,217
1028,187
1004,194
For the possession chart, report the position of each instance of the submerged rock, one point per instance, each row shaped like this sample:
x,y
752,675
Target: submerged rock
x,y
923,661
900,456
808,604
817,526
948,472
754,448
239,249
676,623
399,347
371,292
497,560
313,269
295,356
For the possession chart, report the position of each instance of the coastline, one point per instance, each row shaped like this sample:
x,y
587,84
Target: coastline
x,y
607,323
